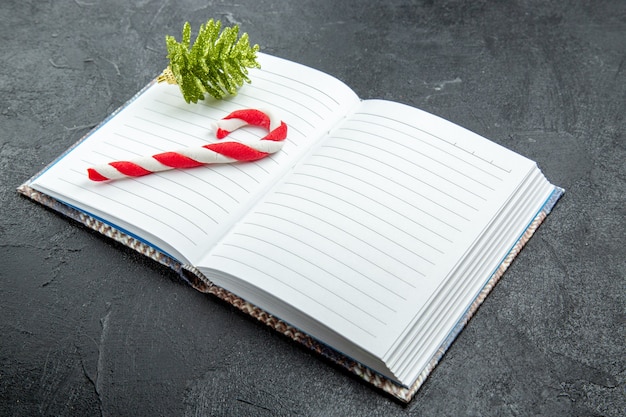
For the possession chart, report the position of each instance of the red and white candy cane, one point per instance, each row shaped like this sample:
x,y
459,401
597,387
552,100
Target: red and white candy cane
x,y
212,153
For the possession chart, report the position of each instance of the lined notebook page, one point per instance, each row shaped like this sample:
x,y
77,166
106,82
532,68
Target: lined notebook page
x,y
365,229
183,211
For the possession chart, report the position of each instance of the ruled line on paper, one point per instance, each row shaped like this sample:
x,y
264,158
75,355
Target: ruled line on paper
x,y
349,218
130,207
287,284
195,111
167,126
425,197
179,204
386,207
489,163
169,207
185,121
430,157
354,206
290,100
380,152
335,277
333,257
396,197
221,190
152,133
200,195
353,236
393,167
282,108
299,82
132,139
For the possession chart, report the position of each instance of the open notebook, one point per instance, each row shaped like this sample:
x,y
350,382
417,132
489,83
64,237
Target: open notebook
x,y
371,237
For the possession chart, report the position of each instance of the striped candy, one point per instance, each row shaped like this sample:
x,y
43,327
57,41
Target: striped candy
x,y
213,153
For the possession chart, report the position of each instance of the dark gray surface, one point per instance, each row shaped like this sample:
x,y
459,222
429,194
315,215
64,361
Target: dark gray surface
x,y
91,328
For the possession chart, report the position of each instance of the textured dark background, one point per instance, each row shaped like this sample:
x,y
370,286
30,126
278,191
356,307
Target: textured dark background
x,y
90,328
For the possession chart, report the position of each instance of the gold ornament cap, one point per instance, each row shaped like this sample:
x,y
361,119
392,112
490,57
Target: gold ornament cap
x,y
167,76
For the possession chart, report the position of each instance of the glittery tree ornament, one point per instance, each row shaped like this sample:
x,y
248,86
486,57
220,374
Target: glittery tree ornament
x,y
217,63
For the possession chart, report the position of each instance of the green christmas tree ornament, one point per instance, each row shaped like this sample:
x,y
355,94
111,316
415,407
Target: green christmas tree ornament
x,y
217,63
